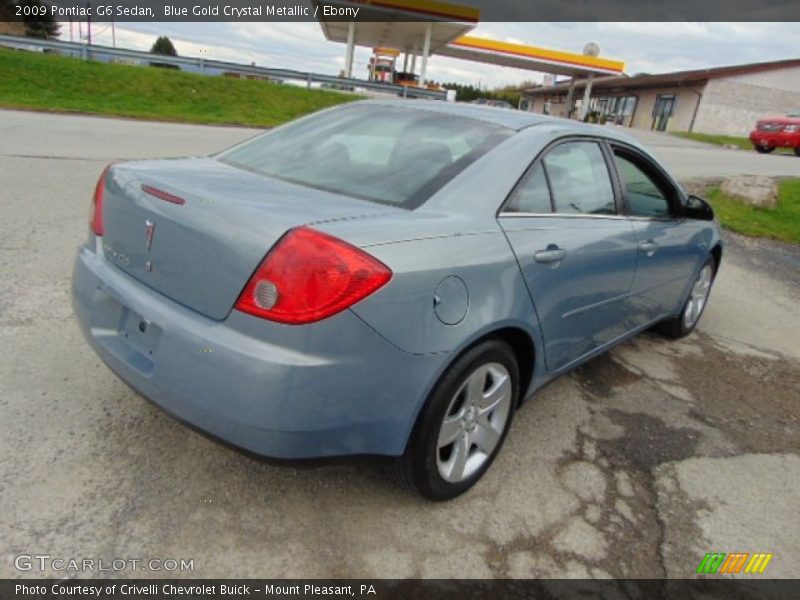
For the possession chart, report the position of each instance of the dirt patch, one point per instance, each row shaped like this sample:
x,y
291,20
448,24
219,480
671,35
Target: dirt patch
x,y
601,375
647,443
11,27
752,399
626,516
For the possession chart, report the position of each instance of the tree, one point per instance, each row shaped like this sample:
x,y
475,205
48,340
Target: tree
x,y
163,46
465,93
468,93
7,10
42,26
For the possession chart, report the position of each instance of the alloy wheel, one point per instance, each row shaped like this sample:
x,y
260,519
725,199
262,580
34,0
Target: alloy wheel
x,y
474,422
698,297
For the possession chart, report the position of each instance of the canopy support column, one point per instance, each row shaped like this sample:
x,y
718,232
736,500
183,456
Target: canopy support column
x,y
587,95
570,97
426,50
351,44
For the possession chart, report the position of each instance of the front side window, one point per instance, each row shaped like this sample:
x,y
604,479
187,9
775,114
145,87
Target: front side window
x,y
386,154
645,196
579,179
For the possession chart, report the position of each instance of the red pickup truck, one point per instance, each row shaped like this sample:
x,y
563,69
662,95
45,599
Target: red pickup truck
x,y
777,132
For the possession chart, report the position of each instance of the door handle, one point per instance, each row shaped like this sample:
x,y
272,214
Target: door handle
x,y
649,247
551,255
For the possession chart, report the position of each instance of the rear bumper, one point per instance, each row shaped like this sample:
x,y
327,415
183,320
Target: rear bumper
x,y
329,389
778,139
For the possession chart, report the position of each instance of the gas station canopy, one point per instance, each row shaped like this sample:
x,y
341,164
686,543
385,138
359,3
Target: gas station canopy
x,y
530,57
403,36
401,24
426,27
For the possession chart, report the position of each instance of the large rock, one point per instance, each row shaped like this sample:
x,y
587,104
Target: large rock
x,y
758,190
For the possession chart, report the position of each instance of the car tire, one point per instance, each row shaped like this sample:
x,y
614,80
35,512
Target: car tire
x,y
764,149
439,469
683,324
797,151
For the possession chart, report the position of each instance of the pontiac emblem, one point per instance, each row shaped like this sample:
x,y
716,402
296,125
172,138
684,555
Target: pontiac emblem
x,y
149,230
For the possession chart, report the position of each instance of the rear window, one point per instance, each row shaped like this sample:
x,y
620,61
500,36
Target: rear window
x,y
386,154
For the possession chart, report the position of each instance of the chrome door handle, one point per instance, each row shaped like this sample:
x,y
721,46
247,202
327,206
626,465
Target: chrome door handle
x,y
551,255
649,247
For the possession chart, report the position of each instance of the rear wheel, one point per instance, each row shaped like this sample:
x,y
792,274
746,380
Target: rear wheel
x,y
464,423
764,149
684,324
797,151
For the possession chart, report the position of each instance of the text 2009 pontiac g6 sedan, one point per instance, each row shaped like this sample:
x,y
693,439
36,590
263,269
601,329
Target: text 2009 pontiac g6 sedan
x,y
388,278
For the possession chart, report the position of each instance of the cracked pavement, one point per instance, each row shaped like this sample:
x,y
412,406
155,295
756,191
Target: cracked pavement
x,y
635,465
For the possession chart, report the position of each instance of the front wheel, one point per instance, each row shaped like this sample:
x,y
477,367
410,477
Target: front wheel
x,y
797,151
464,423
764,149
684,324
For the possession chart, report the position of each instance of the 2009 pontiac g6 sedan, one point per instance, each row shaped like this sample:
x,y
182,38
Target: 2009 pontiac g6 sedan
x,y
386,278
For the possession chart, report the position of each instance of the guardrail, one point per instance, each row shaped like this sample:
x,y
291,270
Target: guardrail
x,y
213,67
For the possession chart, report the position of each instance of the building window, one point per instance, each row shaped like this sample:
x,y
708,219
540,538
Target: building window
x,y
614,109
663,110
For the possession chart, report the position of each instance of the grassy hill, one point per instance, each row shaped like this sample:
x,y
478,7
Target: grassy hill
x,y
57,83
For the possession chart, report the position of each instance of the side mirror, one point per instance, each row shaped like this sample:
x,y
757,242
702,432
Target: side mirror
x,y
696,208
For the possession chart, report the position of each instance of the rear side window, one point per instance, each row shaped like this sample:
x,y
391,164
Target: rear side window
x,y
645,194
532,195
386,154
579,179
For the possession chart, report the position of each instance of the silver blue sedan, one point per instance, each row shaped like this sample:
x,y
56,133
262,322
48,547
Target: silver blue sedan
x,y
386,278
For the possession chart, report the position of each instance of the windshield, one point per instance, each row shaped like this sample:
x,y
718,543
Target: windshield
x,y
385,154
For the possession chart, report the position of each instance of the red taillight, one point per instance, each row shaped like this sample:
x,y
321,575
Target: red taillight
x,y
309,276
97,203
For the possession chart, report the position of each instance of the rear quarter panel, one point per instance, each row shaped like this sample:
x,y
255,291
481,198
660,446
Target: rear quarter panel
x,y
405,311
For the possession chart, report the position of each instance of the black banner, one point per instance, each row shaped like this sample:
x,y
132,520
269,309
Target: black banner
x,y
390,10
382,589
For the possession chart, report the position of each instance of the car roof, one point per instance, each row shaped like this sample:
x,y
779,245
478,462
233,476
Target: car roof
x,y
513,119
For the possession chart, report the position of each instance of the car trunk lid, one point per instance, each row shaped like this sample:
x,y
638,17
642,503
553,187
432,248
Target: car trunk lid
x,y
196,229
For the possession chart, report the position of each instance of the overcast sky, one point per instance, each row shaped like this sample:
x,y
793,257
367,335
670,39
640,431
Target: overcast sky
x,y
645,47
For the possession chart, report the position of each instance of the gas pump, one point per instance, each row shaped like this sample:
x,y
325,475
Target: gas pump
x,y
382,65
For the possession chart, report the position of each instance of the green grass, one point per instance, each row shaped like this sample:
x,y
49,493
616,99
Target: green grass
x,y
721,140
743,143
57,83
779,223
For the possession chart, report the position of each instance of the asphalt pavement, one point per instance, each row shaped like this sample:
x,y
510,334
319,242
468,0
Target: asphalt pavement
x,y
691,160
635,465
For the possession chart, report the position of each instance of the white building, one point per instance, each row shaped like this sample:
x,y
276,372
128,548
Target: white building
x,y
722,100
